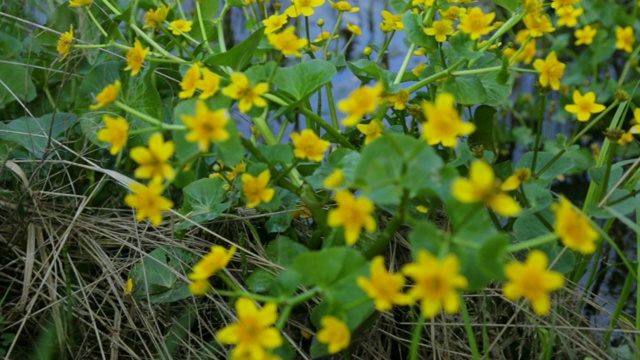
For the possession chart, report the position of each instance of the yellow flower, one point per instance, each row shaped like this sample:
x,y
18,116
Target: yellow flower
x,y
518,178
418,69
482,186
551,71
422,2
532,281
361,102
436,283
453,13
64,43
188,83
626,138
444,124
287,42
344,6
367,51
240,89
116,133
129,287
206,126
334,333
254,332
135,57
303,7
255,188
180,26
324,35
625,38
78,3
154,18
274,23
574,229
334,180
585,35
371,131
440,29
216,259
559,4
399,100
584,106
391,22
353,214
354,29
528,53
537,24
384,287
568,16
209,84
153,160
308,145
108,95
148,201
476,23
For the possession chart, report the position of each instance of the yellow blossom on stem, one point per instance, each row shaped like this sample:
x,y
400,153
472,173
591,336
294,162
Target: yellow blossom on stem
x,y
482,186
353,214
180,26
303,7
399,100
532,281
452,13
440,29
135,57
391,22
417,71
253,333
255,188
217,259
384,287
371,131
108,95
209,84
115,133
344,6
585,35
476,23
568,16
361,102
626,138
334,333
422,2
64,43
584,105
274,23
78,3
625,38
334,180
574,228
189,81
354,29
206,126
537,24
436,283
308,145
324,35
443,124
240,89
148,201
155,18
153,160
287,42
528,53
518,178
551,71
559,4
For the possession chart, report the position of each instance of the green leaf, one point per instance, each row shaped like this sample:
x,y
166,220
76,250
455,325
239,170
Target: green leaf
x,y
94,81
425,236
326,267
497,92
285,284
209,10
415,32
303,79
467,90
398,6
490,257
538,194
529,226
462,46
283,251
343,159
563,165
204,200
367,70
507,4
484,119
260,281
18,79
238,57
33,134
280,153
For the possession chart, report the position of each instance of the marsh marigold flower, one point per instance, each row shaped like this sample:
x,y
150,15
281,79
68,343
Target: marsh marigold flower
x,y
217,259
303,7
308,145
154,18
180,26
391,22
135,57
452,13
551,71
115,133
334,333
334,180
518,178
436,283
422,2
108,95
399,100
78,3
568,16
537,24
255,188
440,29
482,186
209,84
354,29
353,214
206,126
585,35
274,23
254,332
371,131
532,281
344,6
444,124
559,4
287,42
573,228
64,43
584,105
189,81
360,102
625,38
476,23
153,160
240,89
148,201
384,287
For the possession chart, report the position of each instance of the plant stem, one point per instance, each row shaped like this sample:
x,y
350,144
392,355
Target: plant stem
x,y
95,21
204,32
332,105
385,45
536,146
154,44
405,63
333,32
148,119
221,41
469,330
444,73
540,240
415,338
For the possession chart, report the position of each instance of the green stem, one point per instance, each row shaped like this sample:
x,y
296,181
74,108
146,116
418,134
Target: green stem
x,y
202,28
536,146
531,243
415,338
627,65
221,41
385,46
261,123
622,301
113,9
154,44
95,21
469,330
149,119
637,287
332,105
405,63
291,303
513,21
92,46
333,32
592,123
444,73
